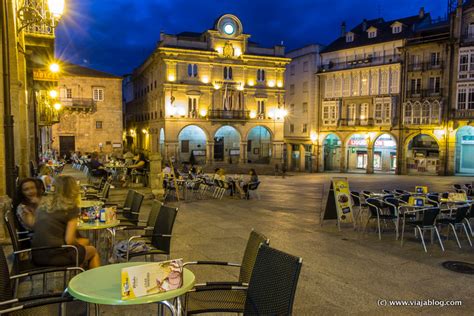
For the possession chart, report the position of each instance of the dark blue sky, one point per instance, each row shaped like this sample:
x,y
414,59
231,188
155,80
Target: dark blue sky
x,y
117,35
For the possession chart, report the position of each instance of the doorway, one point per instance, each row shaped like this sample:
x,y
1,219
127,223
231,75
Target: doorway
x,y
66,145
219,148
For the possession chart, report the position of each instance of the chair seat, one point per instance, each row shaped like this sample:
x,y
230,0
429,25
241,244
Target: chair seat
x,y
446,221
383,216
216,301
149,252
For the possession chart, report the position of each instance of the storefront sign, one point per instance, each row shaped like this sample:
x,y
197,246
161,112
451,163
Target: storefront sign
x,y
421,189
151,278
44,75
457,197
339,203
358,142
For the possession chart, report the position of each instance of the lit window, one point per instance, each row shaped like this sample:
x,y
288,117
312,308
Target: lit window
x,y
98,94
372,34
396,29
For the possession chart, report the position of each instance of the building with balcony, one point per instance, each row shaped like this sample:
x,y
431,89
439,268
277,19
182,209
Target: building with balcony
x,y
209,98
301,92
360,96
90,119
460,146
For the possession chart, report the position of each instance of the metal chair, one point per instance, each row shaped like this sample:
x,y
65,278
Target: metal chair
x,y
253,186
393,205
375,213
39,304
457,221
426,223
357,203
160,240
207,300
131,215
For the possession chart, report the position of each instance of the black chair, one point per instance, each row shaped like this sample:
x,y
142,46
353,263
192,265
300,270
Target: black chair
x,y
459,189
148,228
132,216
457,221
393,205
375,213
42,304
208,300
252,186
366,194
404,198
103,195
432,199
272,287
426,223
357,204
159,241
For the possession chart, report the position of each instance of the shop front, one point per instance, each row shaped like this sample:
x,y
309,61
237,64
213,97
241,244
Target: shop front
x,y
385,154
423,155
357,153
465,150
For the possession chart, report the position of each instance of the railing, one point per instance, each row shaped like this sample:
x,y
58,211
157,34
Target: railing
x,y
356,122
79,104
463,114
233,115
43,27
426,66
425,93
362,62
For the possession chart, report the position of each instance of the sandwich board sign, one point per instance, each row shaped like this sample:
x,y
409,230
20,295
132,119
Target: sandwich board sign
x,y
339,203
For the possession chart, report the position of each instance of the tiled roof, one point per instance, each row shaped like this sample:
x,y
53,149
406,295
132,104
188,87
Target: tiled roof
x,y
384,33
69,69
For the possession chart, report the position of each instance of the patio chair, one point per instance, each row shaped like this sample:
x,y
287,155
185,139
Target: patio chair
x,y
459,189
272,286
404,198
426,223
375,213
103,195
159,241
455,222
206,300
400,192
356,202
253,186
42,304
131,215
393,205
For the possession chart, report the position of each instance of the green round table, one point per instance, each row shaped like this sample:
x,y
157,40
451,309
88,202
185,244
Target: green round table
x,y
96,225
90,203
102,286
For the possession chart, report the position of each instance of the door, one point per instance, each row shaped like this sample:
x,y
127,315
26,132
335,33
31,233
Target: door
x,y
219,148
467,163
66,145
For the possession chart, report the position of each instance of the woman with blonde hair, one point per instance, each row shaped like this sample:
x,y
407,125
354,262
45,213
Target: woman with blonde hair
x,y
56,225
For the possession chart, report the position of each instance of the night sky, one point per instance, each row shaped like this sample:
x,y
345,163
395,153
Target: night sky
x,y
117,35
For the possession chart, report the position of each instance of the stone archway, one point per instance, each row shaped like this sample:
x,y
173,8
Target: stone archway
x,y
385,154
227,144
192,145
422,155
464,150
357,153
332,153
259,145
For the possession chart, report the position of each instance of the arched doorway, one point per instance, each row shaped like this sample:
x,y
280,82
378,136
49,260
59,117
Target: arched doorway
x,y
465,150
357,156
423,155
161,142
385,154
192,145
259,145
227,144
332,153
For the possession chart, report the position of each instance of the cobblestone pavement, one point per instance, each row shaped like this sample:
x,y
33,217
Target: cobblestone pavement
x,y
344,272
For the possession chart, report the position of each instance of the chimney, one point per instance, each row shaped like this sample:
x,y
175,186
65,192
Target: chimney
x,y
364,25
343,29
421,14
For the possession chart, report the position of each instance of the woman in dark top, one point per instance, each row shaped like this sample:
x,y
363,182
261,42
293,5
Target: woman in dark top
x,y
253,179
139,163
28,200
56,224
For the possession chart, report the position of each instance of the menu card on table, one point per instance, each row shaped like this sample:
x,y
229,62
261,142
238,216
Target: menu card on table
x,y
151,278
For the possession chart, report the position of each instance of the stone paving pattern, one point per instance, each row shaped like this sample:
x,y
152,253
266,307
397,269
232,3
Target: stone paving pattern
x,y
343,272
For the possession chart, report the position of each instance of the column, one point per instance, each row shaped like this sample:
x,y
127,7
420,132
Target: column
x,y
343,166
370,159
302,158
156,176
243,152
209,153
289,154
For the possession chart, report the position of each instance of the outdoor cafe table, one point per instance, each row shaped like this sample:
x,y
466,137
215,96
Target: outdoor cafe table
x,y
103,286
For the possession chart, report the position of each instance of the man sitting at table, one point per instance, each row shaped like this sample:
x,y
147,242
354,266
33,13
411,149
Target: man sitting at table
x,y
97,168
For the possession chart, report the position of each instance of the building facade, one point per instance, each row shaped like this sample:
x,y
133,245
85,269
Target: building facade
x,y
301,94
90,119
210,98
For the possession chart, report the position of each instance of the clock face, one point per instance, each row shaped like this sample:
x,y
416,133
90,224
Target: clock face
x,y
229,29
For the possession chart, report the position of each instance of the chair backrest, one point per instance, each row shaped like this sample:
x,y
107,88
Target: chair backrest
x,y
429,216
355,198
445,195
387,191
13,227
400,191
129,199
366,194
461,213
392,204
136,205
457,186
250,255
374,205
405,197
254,185
272,286
6,291
105,191
164,226
155,209
433,197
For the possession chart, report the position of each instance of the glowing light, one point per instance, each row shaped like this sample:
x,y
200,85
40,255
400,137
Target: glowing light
x,y
271,83
251,82
439,133
271,113
132,133
203,112
57,106
279,83
205,79
362,117
56,7
253,114
314,137
171,77
220,50
372,135
54,67
237,52
181,112
53,94
216,86
240,87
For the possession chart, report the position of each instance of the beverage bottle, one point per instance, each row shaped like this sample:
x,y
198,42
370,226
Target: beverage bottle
x,y
102,217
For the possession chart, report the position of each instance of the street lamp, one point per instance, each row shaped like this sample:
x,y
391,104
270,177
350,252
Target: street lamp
x,y
56,7
53,94
35,12
54,67
57,106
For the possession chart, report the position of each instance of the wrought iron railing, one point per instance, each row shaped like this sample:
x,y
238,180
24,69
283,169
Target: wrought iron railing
x,y
463,114
425,93
37,17
232,114
79,104
360,62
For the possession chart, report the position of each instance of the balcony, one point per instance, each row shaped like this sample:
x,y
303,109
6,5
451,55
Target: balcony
x,y
358,63
463,114
38,20
425,93
356,122
229,115
79,104
426,66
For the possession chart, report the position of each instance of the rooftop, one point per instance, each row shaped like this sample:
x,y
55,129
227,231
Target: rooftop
x,y
69,69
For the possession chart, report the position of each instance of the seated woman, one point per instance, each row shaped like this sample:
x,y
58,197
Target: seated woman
x,y
28,200
46,177
138,164
253,179
56,225
220,175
